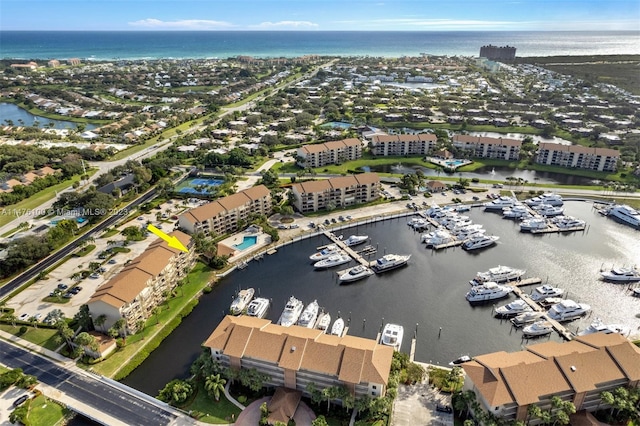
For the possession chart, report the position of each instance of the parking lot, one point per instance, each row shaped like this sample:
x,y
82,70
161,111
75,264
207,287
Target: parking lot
x,y
7,399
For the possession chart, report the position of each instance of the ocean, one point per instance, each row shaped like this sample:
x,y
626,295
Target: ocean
x,y
129,45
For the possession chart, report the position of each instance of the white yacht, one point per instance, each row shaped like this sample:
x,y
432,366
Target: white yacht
x,y
518,211
499,274
480,241
488,291
333,260
392,335
470,233
526,318
338,327
389,262
309,315
418,223
325,252
324,321
548,302
258,307
460,360
512,309
457,225
437,237
598,326
533,224
354,240
291,312
621,274
568,222
547,210
568,310
542,292
500,203
538,328
547,198
626,214
355,273
241,301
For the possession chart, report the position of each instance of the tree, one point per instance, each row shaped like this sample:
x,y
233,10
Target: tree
x,y
100,320
214,384
175,392
320,421
83,318
121,326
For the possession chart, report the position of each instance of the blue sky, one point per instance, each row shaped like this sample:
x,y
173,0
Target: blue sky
x,y
326,15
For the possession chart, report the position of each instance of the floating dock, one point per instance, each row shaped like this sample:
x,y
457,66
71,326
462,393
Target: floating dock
x,y
354,255
447,245
553,228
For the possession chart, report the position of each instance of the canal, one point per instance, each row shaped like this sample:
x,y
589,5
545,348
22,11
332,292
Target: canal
x,y
426,295
21,117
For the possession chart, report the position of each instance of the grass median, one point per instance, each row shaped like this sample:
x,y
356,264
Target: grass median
x,y
157,328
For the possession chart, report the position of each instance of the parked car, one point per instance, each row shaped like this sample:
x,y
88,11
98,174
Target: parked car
x,y
62,286
23,317
20,400
38,316
94,276
111,262
475,198
294,226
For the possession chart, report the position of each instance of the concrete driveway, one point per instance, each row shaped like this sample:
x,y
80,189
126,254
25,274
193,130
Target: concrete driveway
x,y
416,405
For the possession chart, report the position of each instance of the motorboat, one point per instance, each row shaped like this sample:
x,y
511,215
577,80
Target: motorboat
x,y
291,313
469,229
500,203
518,211
392,335
544,291
547,198
389,262
499,274
568,222
354,240
538,328
338,327
241,301
568,310
355,273
598,326
469,233
547,210
456,225
438,237
309,315
533,224
460,360
325,252
258,307
621,274
324,321
418,223
548,302
333,260
625,213
526,318
480,241
512,309
488,291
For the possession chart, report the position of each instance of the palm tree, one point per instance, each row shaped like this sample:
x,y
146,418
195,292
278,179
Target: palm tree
x,y
100,320
121,326
214,384
11,317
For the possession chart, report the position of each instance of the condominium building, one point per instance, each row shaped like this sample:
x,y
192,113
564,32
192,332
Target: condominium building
x,y
506,384
343,191
578,156
295,356
222,216
334,152
143,284
417,144
498,53
484,147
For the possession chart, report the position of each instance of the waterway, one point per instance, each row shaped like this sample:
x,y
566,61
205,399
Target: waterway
x,y
426,295
15,114
498,173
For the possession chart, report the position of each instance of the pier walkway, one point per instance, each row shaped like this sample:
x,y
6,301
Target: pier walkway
x,y
354,254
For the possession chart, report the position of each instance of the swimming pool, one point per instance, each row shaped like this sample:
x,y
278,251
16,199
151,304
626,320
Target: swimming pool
x,y
246,242
455,163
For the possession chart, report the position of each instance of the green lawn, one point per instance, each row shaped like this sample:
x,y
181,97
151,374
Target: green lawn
x,y
45,412
216,412
85,250
199,277
109,233
40,336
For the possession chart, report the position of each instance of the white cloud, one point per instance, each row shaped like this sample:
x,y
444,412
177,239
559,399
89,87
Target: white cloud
x,y
282,25
185,24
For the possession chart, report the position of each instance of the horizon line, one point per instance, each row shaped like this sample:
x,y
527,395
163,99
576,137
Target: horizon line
x,y
314,31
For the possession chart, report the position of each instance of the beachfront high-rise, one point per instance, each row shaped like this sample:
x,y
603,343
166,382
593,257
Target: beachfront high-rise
x,y
498,53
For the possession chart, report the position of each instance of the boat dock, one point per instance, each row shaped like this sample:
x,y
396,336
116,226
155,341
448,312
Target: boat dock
x,y
553,228
559,328
447,245
354,255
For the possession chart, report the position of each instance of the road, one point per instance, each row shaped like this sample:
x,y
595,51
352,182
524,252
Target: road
x,y
88,390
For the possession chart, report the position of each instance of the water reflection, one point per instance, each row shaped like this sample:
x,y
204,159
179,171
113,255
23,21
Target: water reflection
x,y
21,117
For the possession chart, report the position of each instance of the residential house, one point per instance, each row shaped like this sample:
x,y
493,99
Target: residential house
x,y
143,284
343,191
435,186
295,356
222,216
124,185
578,156
27,178
333,152
485,147
411,144
506,384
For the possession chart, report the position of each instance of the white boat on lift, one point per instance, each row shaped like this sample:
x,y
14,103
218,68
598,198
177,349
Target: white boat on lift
x,y
392,335
354,240
241,301
258,307
538,328
309,315
324,321
338,327
291,312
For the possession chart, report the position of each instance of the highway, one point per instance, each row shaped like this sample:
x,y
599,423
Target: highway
x,y
88,390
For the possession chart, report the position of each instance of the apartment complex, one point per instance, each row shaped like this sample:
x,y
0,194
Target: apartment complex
x,y
506,384
334,152
498,53
222,216
143,283
295,356
577,156
484,147
418,144
27,178
337,192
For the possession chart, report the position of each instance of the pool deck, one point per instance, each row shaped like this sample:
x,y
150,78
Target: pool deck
x,y
445,163
248,253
